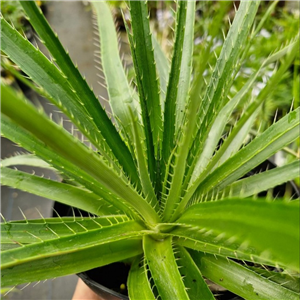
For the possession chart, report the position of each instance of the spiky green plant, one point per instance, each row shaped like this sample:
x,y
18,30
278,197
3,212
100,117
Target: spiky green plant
x,y
160,189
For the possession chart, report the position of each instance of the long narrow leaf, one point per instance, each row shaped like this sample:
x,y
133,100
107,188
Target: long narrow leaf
x,y
138,283
37,230
80,86
262,182
66,264
146,71
261,148
192,277
63,193
68,147
241,280
266,230
216,92
30,142
186,64
25,160
254,106
185,133
121,97
163,69
172,90
164,271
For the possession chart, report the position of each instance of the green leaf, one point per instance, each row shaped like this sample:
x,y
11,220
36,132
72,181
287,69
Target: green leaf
x,y
25,160
239,279
257,229
164,271
37,230
49,78
185,69
145,68
172,90
149,149
218,127
138,283
192,277
147,186
262,182
289,281
80,86
163,69
178,163
28,141
280,134
66,146
219,85
230,141
121,97
63,193
63,264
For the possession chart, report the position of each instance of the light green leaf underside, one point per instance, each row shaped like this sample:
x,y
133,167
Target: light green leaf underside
x,y
240,280
26,160
250,228
71,149
192,277
63,193
138,283
66,264
262,182
164,271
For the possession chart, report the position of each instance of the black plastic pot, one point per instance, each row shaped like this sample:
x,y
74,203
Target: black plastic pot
x,y
113,277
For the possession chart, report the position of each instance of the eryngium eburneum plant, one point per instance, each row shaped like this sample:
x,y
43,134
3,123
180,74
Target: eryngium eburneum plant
x,y
161,189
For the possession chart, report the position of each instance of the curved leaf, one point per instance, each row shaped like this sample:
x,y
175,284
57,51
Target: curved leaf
x,y
240,279
269,142
30,142
172,90
80,86
164,271
69,148
144,64
37,230
138,282
26,160
63,193
219,85
66,264
262,182
257,229
192,277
